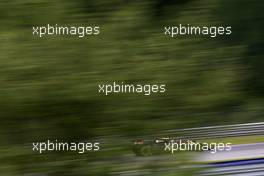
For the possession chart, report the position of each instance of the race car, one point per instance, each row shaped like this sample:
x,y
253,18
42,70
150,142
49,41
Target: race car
x,y
165,144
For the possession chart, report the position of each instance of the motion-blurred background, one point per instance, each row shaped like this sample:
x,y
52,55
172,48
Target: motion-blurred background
x,y
49,86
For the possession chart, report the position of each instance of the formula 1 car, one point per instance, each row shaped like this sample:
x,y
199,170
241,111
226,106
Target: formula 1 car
x,y
163,145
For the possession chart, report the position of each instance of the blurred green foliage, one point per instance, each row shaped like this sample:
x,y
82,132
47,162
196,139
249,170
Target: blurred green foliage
x,y
49,86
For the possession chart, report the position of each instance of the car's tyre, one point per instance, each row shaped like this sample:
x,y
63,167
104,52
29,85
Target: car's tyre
x,y
146,150
143,150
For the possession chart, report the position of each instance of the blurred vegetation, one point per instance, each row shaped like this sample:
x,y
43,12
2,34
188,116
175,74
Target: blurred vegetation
x,y
48,86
